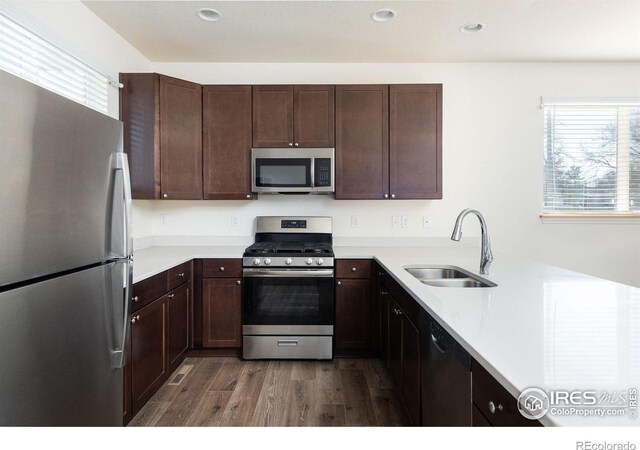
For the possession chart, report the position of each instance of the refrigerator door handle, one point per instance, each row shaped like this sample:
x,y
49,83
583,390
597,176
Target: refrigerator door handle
x,y
121,164
118,354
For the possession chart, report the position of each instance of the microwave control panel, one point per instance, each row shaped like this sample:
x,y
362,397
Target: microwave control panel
x,y
322,172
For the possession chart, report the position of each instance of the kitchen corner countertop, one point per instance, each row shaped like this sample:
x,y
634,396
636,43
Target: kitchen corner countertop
x,y
541,326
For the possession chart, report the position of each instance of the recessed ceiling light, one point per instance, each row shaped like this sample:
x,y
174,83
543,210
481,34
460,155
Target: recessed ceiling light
x,y
208,14
472,27
383,15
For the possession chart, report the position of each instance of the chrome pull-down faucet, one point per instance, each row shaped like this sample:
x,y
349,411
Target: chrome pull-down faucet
x,y
485,254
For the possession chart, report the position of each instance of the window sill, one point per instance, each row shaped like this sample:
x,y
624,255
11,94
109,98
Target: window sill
x,y
618,219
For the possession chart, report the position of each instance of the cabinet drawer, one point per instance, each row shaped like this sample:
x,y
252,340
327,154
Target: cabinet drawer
x,y
178,275
489,395
222,268
146,291
353,268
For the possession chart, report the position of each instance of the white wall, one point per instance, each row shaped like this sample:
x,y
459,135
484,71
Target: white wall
x,y
493,134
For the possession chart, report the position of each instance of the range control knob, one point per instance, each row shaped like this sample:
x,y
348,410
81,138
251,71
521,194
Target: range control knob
x,y
309,261
267,261
256,262
288,261
319,261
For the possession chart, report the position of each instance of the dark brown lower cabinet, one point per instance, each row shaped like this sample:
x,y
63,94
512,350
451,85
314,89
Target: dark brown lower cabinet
x,y
353,315
411,370
148,355
222,312
404,358
477,419
178,325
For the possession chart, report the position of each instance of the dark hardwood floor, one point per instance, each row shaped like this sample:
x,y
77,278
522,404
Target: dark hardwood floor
x,y
232,392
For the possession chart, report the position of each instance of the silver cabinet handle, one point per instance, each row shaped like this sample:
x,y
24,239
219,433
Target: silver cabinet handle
x,y
339,283
296,144
287,343
353,269
181,274
135,299
171,295
165,195
393,195
238,282
386,195
133,320
248,195
398,311
221,268
493,408
290,144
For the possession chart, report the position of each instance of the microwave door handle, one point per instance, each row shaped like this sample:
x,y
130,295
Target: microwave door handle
x,y
313,172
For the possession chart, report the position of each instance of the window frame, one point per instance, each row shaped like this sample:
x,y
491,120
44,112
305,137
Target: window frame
x,y
585,216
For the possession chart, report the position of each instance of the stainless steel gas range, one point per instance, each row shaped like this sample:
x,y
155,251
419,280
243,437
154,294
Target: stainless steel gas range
x,y
288,295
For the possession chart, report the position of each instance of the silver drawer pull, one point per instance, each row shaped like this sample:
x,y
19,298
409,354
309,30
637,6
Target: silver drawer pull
x,y
135,299
181,274
171,295
353,269
221,268
287,343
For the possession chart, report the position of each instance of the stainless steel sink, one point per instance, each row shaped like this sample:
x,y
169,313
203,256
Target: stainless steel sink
x,y
448,276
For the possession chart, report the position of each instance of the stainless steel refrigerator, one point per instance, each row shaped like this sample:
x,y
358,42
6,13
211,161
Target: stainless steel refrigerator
x,y
65,260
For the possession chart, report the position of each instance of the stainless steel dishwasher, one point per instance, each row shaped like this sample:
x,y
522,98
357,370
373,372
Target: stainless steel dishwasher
x,y
445,377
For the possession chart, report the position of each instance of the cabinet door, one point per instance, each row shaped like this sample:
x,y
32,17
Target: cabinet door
x,y
272,116
415,135
362,142
411,370
353,314
395,341
148,364
314,116
180,139
178,302
139,115
222,320
226,142
384,326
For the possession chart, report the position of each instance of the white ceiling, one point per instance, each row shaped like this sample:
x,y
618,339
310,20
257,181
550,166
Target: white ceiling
x,y
342,31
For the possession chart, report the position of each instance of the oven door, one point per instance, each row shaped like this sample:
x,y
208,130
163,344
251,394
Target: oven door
x,y
288,301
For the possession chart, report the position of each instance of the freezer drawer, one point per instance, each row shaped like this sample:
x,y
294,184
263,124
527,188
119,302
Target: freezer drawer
x,y
59,346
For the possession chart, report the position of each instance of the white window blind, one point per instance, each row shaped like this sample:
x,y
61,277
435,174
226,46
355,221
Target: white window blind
x,y
592,157
28,56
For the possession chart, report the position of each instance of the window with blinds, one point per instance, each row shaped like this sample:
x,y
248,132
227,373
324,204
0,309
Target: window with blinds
x,y
592,157
28,56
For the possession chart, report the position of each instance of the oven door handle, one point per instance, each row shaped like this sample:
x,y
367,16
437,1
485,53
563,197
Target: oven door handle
x,y
275,273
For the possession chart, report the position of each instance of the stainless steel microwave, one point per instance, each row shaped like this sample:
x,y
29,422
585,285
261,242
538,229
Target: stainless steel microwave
x,y
293,170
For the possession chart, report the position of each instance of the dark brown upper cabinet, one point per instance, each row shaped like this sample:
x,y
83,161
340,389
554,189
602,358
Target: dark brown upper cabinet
x,y
389,142
226,142
293,116
162,119
415,141
362,142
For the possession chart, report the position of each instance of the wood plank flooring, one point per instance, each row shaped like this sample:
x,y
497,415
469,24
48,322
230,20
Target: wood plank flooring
x,y
231,392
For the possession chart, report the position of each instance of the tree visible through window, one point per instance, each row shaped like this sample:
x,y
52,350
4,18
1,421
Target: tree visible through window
x,y
592,158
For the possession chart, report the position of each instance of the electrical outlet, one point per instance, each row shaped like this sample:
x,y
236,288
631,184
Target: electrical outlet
x,y
395,221
426,222
163,219
234,221
355,221
405,221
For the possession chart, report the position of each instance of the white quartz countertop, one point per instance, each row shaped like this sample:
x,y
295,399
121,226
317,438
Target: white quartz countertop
x,y
541,326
